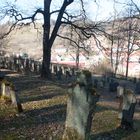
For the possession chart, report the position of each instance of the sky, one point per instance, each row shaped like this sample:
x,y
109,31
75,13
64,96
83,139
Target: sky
x,y
102,10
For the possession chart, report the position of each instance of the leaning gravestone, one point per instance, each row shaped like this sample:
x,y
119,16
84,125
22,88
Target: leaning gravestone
x,y
9,93
15,99
81,106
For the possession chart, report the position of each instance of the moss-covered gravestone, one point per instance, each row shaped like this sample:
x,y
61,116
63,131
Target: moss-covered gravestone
x,y
81,106
9,93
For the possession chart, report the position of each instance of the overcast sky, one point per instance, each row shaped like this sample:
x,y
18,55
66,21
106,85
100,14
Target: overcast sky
x,y
100,11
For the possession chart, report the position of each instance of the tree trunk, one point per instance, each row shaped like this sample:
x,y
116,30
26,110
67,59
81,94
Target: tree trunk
x,y
77,58
127,66
49,38
111,55
117,58
46,72
128,48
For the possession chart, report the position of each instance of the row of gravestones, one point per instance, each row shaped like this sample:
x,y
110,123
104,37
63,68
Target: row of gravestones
x,y
27,65
62,71
81,105
20,64
113,84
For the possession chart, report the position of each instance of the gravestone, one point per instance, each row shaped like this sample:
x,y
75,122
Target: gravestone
x,y
68,75
2,90
137,88
9,93
35,66
81,106
103,81
95,83
27,66
120,91
15,99
128,108
134,80
101,84
113,85
59,74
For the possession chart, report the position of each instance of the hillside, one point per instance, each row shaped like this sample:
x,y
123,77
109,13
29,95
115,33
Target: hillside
x,y
26,40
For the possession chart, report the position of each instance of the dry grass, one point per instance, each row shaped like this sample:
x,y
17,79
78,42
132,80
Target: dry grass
x,y
44,104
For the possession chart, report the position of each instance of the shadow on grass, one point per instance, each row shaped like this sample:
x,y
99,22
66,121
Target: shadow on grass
x,y
51,114
33,88
101,108
39,97
5,72
116,134
109,106
44,116
106,123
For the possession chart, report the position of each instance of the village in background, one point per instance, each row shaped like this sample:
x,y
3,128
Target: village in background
x,y
27,42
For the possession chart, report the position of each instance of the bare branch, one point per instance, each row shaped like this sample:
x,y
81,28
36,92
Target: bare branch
x,y
18,16
58,21
9,31
138,9
68,2
64,37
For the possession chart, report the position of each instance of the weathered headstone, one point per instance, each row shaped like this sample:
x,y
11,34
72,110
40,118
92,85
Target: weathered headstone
x,y
134,80
35,66
113,85
2,85
95,83
68,75
59,74
101,84
15,99
128,108
27,68
120,91
81,106
137,88
9,93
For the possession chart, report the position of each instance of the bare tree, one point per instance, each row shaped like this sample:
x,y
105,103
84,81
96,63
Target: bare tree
x,y
77,44
131,35
125,36
63,18
125,42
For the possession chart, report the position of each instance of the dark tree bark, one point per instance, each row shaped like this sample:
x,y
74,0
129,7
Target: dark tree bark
x,y
48,39
49,36
129,48
45,73
117,58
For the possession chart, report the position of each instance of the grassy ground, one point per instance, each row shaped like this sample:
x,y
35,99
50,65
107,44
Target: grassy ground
x,y
44,105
